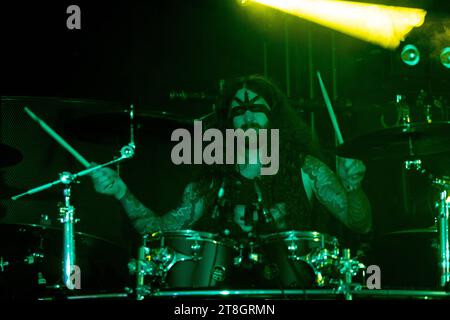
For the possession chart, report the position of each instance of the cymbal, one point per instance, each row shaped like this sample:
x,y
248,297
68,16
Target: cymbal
x,y
9,156
114,127
102,262
430,230
49,232
415,139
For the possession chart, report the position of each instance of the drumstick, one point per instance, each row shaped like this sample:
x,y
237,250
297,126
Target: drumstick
x,y
337,131
58,138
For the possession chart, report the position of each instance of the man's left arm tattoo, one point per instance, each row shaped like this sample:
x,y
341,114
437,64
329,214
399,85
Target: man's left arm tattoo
x,y
352,208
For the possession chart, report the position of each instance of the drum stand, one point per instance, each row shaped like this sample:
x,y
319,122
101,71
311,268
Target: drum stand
x,y
442,220
67,212
443,229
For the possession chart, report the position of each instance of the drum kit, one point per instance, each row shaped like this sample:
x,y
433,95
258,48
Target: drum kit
x,y
292,263
187,259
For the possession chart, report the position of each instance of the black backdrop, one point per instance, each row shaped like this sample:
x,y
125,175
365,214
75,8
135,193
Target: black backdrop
x,y
138,52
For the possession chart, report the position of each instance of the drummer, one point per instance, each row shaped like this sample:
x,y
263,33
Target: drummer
x,y
305,194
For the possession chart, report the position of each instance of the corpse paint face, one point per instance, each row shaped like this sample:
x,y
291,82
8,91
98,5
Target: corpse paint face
x,y
249,110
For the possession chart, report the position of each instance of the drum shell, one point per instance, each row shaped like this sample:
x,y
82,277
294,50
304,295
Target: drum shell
x,y
206,260
299,259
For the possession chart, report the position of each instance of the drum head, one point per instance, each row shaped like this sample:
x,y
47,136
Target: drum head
x,y
301,235
192,235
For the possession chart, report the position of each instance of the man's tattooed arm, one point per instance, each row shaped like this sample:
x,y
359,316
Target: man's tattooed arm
x,y
145,220
350,207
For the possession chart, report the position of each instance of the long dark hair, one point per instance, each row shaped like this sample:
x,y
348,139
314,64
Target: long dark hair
x,y
295,142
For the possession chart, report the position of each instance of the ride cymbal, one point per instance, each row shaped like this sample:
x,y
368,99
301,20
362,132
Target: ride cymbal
x,y
406,141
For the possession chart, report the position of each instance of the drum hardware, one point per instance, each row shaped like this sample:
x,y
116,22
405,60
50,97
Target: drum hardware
x,y
33,258
253,255
67,179
408,141
263,212
330,294
444,247
141,288
428,116
237,261
195,247
404,111
41,280
426,108
430,230
186,259
67,211
348,269
442,218
318,251
168,258
141,268
300,252
3,264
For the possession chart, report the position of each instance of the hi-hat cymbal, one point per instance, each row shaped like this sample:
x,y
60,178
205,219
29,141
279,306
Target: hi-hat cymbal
x,y
114,127
416,139
9,156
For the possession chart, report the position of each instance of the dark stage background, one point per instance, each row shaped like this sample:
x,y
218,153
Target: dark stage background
x,y
139,51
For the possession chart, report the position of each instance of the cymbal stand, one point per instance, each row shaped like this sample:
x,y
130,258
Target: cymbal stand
x,y
348,268
443,229
67,212
442,219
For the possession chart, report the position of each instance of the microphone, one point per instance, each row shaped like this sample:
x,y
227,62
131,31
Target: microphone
x,y
132,126
265,213
185,95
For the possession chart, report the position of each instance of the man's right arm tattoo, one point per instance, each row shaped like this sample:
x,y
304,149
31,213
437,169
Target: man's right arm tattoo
x,y
146,221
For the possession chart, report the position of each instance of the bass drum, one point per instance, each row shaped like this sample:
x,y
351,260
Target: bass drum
x,y
300,259
190,259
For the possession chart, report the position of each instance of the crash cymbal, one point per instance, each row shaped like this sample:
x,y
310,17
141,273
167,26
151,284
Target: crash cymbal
x,y
49,232
416,139
9,156
430,230
114,127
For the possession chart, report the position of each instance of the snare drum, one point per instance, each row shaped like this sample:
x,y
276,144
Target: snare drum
x,y
191,259
300,259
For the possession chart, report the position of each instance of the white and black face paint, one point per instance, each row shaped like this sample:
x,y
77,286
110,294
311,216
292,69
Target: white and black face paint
x,y
249,110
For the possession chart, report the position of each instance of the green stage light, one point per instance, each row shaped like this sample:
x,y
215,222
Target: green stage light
x,y
410,55
445,57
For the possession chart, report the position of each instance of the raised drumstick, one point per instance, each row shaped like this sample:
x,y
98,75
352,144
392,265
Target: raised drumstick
x,y
58,138
337,131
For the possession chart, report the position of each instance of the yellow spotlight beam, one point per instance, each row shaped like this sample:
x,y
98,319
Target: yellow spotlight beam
x,y
379,24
